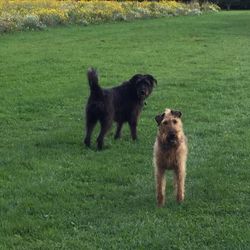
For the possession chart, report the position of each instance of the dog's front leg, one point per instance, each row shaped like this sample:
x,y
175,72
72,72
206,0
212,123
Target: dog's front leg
x,y
160,185
180,175
133,126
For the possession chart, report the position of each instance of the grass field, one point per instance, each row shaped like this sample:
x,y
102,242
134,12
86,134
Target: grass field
x,y
56,194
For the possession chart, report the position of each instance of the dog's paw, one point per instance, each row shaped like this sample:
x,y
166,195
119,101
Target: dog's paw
x,y
86,142
180,198
99,146
160,200
116,137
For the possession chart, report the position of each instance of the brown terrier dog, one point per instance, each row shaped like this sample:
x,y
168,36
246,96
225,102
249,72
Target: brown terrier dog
x,y
170,153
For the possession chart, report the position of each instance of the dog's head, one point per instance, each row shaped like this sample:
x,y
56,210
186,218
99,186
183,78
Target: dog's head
x,y
144,85
170,126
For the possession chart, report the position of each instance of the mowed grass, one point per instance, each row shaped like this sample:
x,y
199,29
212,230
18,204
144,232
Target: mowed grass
x,y
56,194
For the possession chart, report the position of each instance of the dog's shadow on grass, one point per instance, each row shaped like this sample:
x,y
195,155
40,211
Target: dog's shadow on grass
x,y
54,143
148,202
111,143
93,148
143,207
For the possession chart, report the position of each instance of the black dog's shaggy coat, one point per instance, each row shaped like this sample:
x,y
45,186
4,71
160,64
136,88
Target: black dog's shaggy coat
x,y
120,104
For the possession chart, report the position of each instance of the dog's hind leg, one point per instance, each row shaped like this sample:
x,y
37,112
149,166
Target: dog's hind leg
x,y
118,130
90,124
160,186
105,126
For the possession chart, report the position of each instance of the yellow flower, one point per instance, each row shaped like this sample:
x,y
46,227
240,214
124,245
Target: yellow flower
x,y
54,12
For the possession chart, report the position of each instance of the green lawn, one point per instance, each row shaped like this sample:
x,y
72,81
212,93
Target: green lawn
x,y
56,194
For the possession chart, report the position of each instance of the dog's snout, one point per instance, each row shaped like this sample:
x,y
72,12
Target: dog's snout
x,y
171,135
171,132
142,92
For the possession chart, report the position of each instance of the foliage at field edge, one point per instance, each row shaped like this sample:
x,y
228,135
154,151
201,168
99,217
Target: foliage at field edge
x,y
19,15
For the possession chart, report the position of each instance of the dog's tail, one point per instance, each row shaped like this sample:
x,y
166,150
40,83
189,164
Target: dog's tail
x,y
93,81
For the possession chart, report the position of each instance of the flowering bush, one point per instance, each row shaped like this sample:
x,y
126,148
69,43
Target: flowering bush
x,y
31,22
210,7
51,17
28,14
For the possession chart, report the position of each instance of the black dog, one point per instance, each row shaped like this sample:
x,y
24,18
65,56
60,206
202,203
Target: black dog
x,y
120,104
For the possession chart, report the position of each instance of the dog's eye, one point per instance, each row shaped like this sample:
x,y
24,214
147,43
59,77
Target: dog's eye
x,y
174,121
165,122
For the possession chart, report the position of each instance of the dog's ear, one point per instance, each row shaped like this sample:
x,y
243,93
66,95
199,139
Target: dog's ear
x,y
176,113
135,78
159,118
151,79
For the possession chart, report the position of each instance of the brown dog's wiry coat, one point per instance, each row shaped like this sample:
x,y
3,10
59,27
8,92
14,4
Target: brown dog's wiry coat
x,y
170,153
